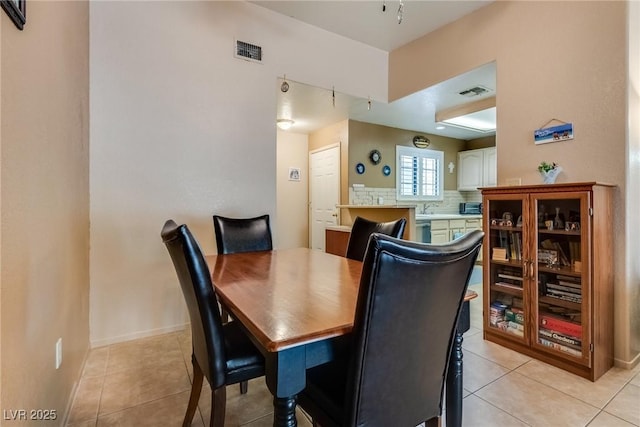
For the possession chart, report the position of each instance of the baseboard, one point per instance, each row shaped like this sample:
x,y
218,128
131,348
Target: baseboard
x,y
624,364
74,389
137,335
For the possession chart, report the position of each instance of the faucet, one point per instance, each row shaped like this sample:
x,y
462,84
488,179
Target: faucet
x,y
426,207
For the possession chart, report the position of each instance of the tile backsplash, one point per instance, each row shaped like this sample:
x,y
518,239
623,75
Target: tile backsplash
x,y
450,204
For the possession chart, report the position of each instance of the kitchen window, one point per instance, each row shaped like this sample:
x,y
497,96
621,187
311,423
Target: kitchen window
x,y
419,173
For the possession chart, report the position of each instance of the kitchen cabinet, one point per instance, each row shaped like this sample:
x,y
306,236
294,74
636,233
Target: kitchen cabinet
x,y
446,230
548,273
477,168
336,240
440,231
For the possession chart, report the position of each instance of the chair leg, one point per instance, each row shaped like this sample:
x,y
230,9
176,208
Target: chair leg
x,y
218,406
196,388
244,386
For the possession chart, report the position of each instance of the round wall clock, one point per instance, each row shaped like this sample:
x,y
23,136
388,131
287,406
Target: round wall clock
x,y
360,168
386,170
375,157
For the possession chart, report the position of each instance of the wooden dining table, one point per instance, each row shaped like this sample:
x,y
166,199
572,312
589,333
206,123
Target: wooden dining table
x,y
295,305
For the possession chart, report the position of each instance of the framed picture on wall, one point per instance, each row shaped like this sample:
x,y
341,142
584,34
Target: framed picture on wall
x,y
294,174
17,11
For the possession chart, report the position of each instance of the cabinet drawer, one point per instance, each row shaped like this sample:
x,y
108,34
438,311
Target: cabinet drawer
x,y
439,237
457,223
473,224
440,224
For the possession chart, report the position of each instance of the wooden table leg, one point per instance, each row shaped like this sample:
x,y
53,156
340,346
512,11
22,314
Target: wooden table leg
x,y
454,388
285,373
454,385
284,414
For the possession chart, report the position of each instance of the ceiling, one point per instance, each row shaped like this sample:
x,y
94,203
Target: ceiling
x,y
312,108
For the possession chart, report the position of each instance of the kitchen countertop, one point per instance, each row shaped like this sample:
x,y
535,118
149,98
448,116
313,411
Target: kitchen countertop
x,y
436,216
376,206
346,228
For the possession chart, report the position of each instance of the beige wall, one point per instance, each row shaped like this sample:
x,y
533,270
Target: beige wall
x,y
337,133
484,142
181,129
364,137
633,179
45,199
292,196
562,60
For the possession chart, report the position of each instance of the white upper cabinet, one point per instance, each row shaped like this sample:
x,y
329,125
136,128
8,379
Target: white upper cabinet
x,y
477,168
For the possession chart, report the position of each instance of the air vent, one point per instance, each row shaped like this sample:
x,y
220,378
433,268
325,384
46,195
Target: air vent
x,y
475,91
248,51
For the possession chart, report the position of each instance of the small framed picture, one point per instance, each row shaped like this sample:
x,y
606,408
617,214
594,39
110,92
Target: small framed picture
x,y
548,256
17,11
294,174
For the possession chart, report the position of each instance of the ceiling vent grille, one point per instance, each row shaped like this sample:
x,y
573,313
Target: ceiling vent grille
x,y
248,51
474,91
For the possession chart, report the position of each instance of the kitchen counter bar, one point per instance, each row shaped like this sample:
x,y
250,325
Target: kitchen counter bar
x,y
381,213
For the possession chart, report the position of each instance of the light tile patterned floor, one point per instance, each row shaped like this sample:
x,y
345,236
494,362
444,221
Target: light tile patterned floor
x,y
146,382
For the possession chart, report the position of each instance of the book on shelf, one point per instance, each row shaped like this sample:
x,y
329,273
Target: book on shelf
x,y
569,280
560,347
513,314
517,246
499,254
509,285
515,325
562,312
574,251
511,327
503,239
560,338
562,287
560,325
576,300
509,276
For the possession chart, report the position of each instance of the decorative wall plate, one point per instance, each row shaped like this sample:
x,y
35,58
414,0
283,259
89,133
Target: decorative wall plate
x,y
386,170
360,168
375,157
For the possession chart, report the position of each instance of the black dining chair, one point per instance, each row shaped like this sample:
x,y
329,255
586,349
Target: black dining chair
x,y
393,373
221,353
361,230
234,235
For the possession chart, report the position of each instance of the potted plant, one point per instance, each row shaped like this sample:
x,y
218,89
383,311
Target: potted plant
x,y
549,171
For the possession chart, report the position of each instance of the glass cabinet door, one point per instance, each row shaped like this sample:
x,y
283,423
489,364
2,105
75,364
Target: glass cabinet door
x,y
505,280
560,293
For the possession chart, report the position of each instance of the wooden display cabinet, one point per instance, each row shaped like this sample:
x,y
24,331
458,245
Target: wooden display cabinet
x,y
548,273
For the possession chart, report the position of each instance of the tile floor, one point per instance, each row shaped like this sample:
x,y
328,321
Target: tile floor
x,y
146,382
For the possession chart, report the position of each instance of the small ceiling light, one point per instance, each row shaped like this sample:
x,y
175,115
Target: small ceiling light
x,y
440,127
284,124
421,141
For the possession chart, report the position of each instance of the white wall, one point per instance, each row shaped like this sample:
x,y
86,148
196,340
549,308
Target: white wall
x,y
293,196
181,129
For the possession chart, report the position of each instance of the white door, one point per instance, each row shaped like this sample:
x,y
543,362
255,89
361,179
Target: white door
x,y
324,189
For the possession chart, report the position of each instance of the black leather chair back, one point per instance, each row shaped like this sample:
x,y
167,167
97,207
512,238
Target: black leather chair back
x,y
199,294
408,305
242,234
363,228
